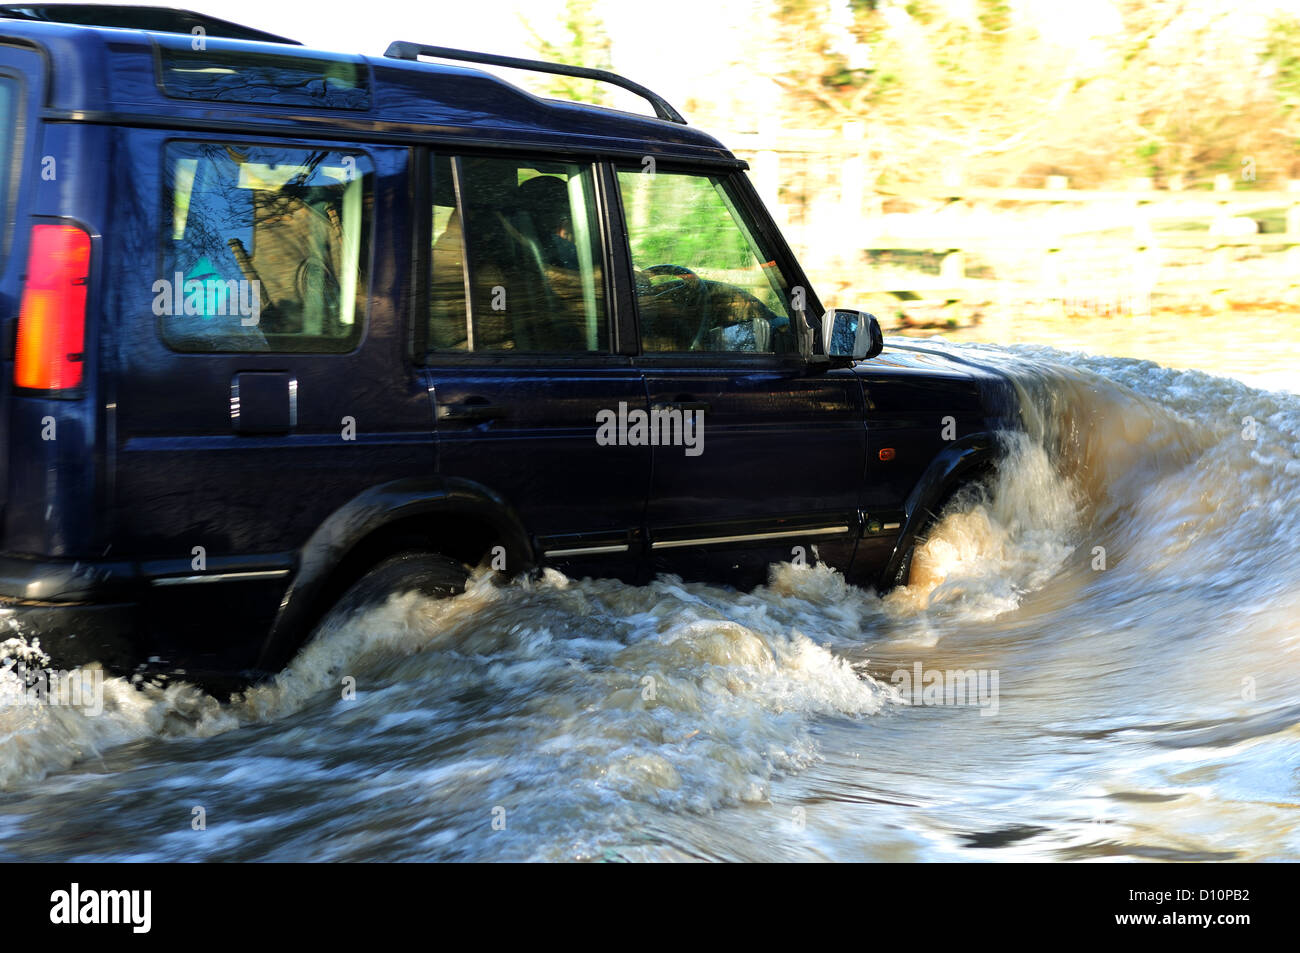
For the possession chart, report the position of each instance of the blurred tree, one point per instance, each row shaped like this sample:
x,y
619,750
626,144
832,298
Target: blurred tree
x,y
586,43
1282,54
973,92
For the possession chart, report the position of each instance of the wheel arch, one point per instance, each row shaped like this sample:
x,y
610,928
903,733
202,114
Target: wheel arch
x,y
454,517
956,465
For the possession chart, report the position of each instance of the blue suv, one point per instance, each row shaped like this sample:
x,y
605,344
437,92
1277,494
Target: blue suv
x,y
286,330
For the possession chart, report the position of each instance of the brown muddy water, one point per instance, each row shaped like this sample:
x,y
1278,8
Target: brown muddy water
x,y
1099,661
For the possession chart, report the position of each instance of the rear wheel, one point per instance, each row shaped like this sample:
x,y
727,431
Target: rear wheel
x,y
430,574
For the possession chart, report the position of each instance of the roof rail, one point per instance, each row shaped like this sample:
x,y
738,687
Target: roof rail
x,y
154,19
402,50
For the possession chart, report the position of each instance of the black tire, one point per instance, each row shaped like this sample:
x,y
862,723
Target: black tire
x,y
431,574
973,486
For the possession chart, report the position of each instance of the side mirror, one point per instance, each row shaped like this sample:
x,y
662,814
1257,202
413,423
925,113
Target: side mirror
x,y
852,334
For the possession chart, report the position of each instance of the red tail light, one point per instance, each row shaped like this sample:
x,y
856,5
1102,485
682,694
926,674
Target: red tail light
x,y
52,321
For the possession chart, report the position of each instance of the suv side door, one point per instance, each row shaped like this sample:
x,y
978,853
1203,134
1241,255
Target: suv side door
x,y
262,355
519,357
778,463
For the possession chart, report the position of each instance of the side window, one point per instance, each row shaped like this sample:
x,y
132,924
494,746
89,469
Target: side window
x,y
10,142
526,233
264,248
703,282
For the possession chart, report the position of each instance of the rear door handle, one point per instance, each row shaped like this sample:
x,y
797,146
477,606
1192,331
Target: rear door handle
x,y
471,410
263,402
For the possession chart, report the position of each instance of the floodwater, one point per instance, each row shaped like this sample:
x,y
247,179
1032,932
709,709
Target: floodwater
x,y
1099,660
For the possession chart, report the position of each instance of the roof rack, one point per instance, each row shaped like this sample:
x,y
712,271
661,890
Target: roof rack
x,y
154,19
402,50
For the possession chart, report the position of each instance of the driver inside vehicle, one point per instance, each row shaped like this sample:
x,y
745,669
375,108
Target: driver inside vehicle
x,y
703,280
704,307
680,311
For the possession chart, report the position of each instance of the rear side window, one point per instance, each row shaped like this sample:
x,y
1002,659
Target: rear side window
x,y
11,129
221,74
264,248
516,258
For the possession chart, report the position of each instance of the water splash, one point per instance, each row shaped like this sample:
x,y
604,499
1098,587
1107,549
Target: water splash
x,y
1131,571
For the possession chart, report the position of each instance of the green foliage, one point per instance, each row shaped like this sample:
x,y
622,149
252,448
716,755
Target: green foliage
x,y
586,44
920,12
1179,90
1282,51
839,76
689,230
994,15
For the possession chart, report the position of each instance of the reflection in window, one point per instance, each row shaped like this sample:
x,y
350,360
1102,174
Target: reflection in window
x,y
265,249
527,231
10,137
221,72
703,282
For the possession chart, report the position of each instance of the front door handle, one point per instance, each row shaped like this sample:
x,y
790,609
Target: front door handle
x,y
471,410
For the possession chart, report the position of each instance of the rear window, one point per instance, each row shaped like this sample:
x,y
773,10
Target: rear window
x,y
264,249
10,149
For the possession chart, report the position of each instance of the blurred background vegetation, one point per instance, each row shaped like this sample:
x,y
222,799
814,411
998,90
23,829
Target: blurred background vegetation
x,y
949,122
1000,92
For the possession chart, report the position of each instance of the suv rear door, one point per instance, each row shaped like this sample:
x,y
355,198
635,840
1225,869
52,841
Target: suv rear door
x,y
519,357
780,456
22,74
265,376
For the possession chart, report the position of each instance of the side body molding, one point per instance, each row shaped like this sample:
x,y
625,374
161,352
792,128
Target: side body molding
x,y
384,507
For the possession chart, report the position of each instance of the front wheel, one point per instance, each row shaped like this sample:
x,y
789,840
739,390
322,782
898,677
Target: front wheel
x,y
974,488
